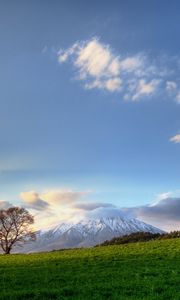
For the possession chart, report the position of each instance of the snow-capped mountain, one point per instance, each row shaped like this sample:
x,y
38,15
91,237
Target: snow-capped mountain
x,y
86,233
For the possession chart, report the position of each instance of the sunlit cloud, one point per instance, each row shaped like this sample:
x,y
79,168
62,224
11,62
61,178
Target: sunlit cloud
x,y
56,206
145,88
175,139
136,76
32,200
63,197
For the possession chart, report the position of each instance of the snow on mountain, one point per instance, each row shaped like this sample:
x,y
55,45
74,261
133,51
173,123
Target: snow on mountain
x,y
86,233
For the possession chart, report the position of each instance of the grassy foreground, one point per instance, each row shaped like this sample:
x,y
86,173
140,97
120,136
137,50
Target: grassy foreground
x,y
148,270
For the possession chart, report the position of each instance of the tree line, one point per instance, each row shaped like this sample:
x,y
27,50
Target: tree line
x,y
140,237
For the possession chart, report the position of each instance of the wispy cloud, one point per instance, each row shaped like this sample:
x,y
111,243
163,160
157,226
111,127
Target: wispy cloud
x,y
96,64
5,204
136,76
171,86
33,200
175,139
178,97
173,90
145,88
163,196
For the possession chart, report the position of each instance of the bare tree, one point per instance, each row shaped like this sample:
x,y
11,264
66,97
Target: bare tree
x,y
15,228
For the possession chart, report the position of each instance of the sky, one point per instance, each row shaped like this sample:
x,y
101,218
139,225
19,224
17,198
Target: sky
x,y
90,109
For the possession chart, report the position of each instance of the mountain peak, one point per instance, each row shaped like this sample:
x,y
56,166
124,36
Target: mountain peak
x,y
88,232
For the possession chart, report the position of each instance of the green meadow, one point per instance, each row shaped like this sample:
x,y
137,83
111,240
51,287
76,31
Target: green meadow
x,y
148,270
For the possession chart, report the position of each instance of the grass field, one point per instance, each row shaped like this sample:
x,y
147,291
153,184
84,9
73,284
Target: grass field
x,y
148,270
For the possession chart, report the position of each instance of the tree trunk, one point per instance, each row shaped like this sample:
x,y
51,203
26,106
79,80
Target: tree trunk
x,y
8,250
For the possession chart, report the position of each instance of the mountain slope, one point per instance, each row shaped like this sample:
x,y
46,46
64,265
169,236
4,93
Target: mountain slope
x,y
87,233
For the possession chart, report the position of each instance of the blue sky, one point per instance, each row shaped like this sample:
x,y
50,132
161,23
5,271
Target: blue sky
x,y
68,124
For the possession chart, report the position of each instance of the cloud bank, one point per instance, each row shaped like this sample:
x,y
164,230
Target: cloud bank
x,y
56,206
53,207
136,76
164,213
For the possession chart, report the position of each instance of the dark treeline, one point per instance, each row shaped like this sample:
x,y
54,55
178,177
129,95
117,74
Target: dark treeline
x,y
141,237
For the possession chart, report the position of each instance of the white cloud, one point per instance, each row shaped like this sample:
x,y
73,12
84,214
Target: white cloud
x,y
161,197
107,212
172,89
145,88
114,67
96,63
131,64
178,98
175,139
171,86
97,66
94,59
64,55
112,85
165,195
